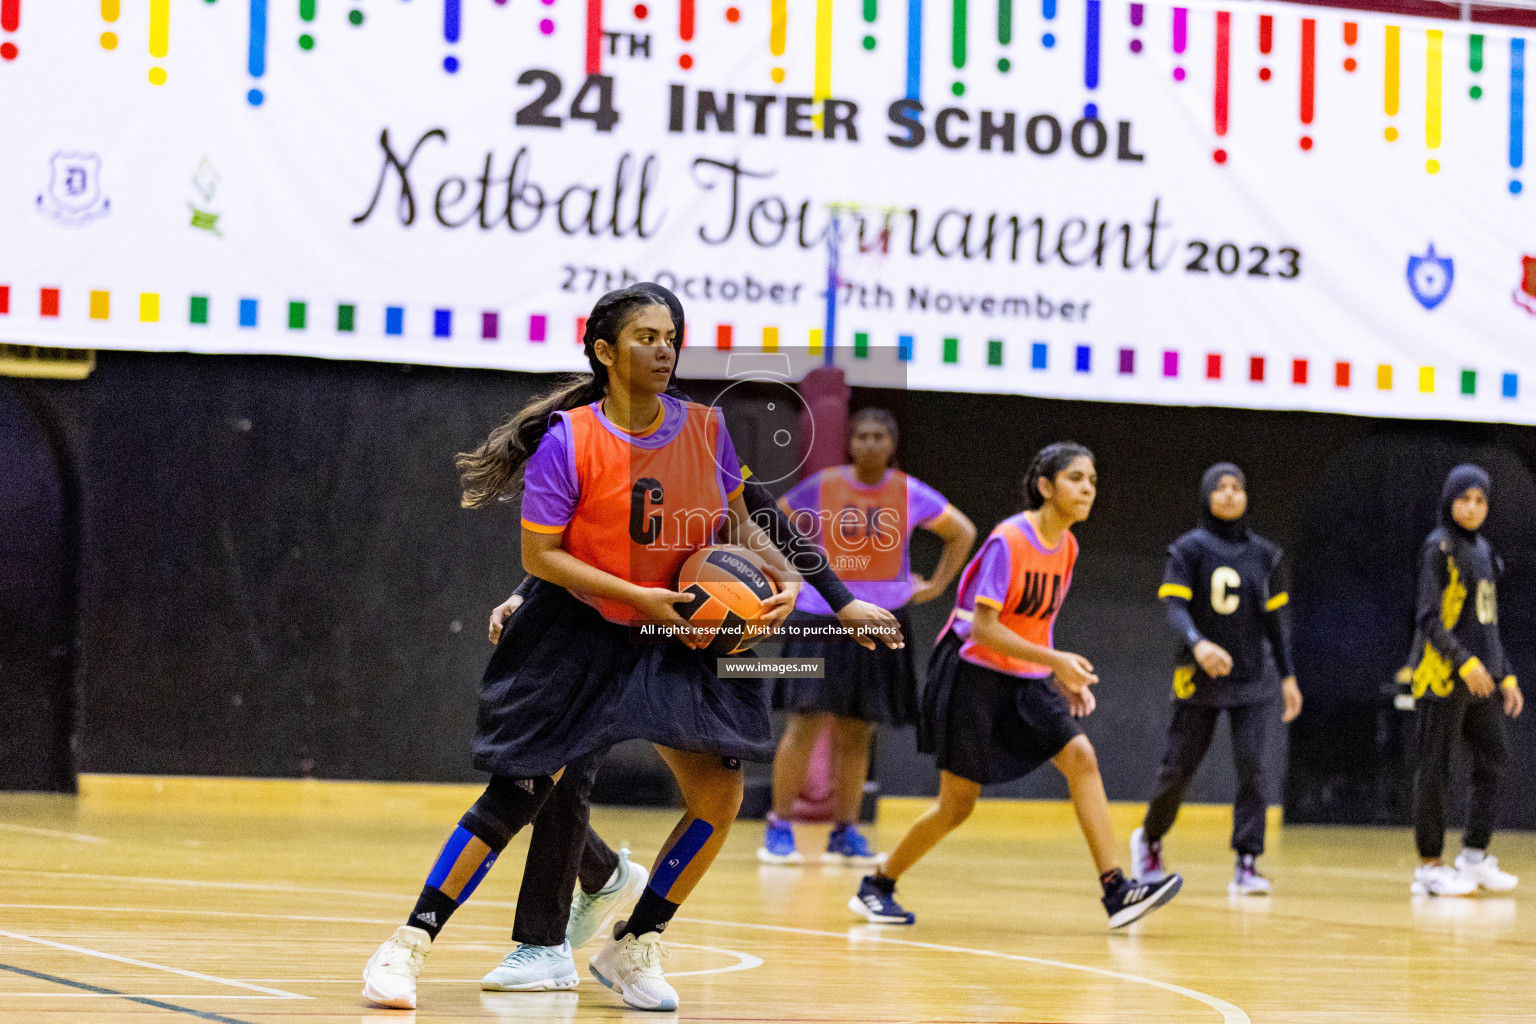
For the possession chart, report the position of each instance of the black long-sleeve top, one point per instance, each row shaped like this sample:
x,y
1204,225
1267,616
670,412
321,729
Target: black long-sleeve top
x,y
1458,613
1232,593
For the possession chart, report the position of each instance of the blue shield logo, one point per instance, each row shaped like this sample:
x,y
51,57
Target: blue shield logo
x,y
1430,277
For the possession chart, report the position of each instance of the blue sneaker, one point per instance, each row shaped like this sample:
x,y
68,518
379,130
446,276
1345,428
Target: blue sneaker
x,y
876,902
847,845
779,843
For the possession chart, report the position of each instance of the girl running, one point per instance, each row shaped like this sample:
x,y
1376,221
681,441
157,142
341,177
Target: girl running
x,y
1461,663
1001,700
621,483
864,515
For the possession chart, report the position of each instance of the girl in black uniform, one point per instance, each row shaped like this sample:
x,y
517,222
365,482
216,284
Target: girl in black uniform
x,y
1224,597
1454,687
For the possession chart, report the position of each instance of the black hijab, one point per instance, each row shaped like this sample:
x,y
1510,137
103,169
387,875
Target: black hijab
x,y
1458,482
1227,529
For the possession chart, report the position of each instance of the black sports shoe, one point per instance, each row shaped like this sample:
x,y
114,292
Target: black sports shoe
x,y
1132,900
876,902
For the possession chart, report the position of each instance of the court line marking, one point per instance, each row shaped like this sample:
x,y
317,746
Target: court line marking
x,y
52,833
126,995
1230,1013
141,1000
195,883
744,961
153,966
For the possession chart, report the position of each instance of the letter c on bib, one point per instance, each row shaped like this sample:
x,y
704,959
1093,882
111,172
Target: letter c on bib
x,y
1223,581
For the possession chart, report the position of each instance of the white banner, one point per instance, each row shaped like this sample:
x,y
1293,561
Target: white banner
x,y
1250,205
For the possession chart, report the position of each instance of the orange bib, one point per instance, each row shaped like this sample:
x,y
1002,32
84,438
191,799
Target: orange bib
x,y
865,532
643,511
1037,585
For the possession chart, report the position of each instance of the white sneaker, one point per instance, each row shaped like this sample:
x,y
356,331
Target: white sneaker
x,y
1439,880
592,914
1246,880
530,968
390,977
1484,873
1146,859
631,966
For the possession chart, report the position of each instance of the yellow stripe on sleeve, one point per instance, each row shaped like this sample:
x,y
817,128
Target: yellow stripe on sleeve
x,y
990,602
1175,590
1510,683
1467,667
541,528
736,491
1278,601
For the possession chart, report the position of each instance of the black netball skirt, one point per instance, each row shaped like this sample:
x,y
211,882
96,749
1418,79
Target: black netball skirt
x,y
565,682
988,726
873,686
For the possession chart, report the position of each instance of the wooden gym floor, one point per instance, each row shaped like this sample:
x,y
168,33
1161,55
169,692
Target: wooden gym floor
x,y
223,900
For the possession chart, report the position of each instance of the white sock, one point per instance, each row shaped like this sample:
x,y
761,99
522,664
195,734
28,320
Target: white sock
x,y
1473,855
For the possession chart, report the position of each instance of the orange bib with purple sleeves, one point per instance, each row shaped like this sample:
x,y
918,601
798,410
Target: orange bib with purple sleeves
x,y
643,511
1036,587
864,533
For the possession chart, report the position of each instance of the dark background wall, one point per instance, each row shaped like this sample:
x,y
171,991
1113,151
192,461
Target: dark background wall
x,y
37,602
275,577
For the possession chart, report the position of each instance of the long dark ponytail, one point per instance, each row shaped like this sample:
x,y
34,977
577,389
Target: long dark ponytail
x,y
1049,461
490,472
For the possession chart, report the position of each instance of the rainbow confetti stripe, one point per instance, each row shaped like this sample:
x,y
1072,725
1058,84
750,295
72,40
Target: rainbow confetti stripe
x,y
959,45
487,326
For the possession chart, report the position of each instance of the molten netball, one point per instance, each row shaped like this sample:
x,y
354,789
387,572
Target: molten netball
x,y
729,585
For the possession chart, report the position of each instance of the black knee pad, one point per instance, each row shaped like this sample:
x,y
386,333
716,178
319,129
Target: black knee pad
x,y
506,806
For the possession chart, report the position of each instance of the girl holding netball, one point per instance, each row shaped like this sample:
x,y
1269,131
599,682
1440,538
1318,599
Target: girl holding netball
x,y
621,483
1001,700
563,850
863,514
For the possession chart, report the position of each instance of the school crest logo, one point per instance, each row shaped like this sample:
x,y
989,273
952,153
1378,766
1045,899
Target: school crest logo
x,y
1430,277
1525,291
206,183
74,193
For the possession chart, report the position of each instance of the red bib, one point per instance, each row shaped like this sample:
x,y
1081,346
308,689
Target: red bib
x,y
643,511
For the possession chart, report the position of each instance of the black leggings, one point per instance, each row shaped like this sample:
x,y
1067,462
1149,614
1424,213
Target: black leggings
x,y
562,849
1189,736
1481,721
